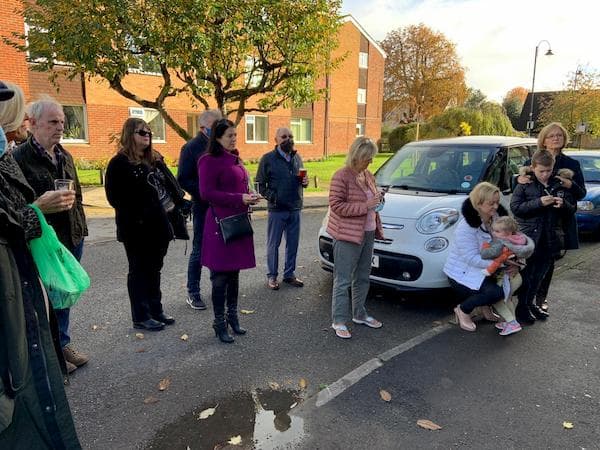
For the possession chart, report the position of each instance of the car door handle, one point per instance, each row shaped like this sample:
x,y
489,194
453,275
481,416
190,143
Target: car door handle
x,y
389,226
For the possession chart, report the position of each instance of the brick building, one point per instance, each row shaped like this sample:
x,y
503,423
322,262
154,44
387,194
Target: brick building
x,y
95,113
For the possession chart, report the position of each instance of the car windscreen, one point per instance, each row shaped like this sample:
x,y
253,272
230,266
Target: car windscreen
x,y
435,168
590,166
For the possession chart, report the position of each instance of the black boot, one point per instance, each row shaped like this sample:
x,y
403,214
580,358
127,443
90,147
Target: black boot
x,y
524,315
234,323
538,312
232,303
220,328
219,283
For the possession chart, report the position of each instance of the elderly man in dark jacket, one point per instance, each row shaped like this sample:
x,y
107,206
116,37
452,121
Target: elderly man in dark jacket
x,y
187,175
280,183
43,160
34,412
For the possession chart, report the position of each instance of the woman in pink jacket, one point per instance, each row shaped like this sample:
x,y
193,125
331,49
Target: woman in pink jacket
x,y
354,224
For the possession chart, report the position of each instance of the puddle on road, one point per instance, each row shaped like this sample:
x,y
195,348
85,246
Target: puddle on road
x,y
261,419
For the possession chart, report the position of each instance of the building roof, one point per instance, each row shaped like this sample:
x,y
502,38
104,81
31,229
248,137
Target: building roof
x,y
540,99
350,18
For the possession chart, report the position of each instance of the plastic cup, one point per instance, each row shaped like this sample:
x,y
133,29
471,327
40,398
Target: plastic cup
x,y
302,172
62,184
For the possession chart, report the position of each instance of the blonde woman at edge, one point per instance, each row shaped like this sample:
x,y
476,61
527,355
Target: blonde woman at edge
x,y
354,224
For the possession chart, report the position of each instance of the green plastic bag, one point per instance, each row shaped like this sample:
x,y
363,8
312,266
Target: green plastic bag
x,y
62,275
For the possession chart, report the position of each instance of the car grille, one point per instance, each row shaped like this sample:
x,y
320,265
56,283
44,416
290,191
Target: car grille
x,y
392,266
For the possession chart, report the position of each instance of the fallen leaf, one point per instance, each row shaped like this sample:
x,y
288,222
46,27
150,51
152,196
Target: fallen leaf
x,y
567,425
139,335
95,327
323,386
300,267
428,424
436,323
298,298
243,295
274,386
184,337
302,383
207,413
236,440
150,400
587,395
293,405
385,395
247,311
140,350
164,384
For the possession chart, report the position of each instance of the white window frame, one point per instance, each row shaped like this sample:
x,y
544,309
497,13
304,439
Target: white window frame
x,y
28,27
363,60
360,129
251,120
297,122
86,138
142,113
257,73
361,96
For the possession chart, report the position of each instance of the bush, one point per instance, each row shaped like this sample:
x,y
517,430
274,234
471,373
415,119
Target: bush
x,y
87,164
401,135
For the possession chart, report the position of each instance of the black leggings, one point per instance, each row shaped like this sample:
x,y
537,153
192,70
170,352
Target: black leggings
x,y
225,288
488,294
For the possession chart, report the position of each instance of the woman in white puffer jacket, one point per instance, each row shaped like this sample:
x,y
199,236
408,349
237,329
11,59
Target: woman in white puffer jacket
x,y
464,264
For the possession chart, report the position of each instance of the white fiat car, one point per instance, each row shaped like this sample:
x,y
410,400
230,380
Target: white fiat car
x,y
428,182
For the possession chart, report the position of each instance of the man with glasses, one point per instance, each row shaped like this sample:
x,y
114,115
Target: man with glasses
x,y
43,160
187,175
279,181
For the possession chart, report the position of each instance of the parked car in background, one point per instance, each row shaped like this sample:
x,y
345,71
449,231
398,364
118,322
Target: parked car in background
x,y
588,209
428,182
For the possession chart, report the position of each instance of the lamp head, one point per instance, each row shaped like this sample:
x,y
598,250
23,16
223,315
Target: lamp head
x,y
549,52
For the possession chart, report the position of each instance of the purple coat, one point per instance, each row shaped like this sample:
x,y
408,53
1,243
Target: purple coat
x,y
223,180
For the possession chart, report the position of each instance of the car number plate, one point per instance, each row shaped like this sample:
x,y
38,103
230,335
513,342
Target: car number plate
x,y
375,261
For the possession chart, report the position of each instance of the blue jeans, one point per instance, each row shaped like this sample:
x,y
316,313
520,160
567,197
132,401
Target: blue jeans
x,y
63,315
278,223
194,264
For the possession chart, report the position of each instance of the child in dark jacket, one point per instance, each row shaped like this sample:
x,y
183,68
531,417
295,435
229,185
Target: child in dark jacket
x,y
539,208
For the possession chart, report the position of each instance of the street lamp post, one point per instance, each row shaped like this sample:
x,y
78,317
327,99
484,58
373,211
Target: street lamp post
x,y
530,123
578,73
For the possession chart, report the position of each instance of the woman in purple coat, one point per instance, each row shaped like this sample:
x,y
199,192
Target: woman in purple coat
x,y
224,185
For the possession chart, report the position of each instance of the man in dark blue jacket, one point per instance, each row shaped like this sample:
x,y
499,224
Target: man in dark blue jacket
x,y
187,175
280,183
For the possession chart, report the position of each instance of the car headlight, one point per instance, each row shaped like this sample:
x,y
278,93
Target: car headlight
x,y
585,205
437,220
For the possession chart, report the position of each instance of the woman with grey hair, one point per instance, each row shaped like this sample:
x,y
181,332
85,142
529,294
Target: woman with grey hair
x,y
12,117
354,225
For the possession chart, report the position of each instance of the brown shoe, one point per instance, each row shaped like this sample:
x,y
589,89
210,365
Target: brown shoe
x,y
74,357
294,281
273,284
70,367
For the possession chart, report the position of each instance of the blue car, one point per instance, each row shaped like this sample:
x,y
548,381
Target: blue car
x,y
588,209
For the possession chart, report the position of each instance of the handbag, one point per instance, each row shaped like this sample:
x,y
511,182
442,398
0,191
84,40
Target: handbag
x,y
61,274
178,218
234,227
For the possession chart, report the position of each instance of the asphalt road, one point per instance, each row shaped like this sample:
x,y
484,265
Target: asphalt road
x,y
481,388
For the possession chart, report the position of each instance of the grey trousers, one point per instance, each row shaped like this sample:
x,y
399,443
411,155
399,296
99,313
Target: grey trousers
x,y
351,274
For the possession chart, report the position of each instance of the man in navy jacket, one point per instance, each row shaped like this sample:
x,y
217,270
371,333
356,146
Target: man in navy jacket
x,y
280,183
187,175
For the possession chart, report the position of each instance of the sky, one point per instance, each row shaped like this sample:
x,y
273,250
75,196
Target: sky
x,y
496,40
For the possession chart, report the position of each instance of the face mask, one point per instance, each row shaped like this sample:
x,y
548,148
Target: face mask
x,y
287,146
207,131
3,142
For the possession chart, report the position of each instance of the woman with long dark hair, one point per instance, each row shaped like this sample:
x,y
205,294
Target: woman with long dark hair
x,y
145,194
224,185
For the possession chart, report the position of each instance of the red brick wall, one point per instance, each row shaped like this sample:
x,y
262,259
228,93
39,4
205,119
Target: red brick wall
x,y
13,66
107,110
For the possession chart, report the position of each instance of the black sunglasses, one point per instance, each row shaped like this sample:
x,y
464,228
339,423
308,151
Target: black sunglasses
x,y
144,133
285,136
